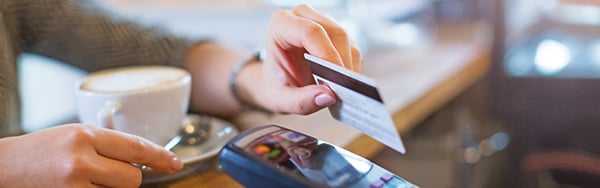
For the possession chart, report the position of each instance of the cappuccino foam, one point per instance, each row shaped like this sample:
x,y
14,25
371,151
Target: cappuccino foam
x,y
133,78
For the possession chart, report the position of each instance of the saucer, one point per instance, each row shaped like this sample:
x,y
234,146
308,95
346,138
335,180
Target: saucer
x,y
197,157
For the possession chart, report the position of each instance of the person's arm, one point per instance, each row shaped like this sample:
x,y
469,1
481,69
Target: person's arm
x,y
79,156
85,156
71,31
283,83
77,32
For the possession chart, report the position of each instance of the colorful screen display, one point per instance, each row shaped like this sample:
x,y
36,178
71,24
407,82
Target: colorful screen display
x,y
308,157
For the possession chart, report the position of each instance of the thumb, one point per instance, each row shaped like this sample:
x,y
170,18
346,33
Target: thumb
x,y
304,100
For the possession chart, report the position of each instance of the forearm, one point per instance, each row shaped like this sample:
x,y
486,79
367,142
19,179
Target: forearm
x,y
6,157
211,64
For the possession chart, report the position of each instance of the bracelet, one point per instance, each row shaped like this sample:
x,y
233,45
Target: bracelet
x,y
257,57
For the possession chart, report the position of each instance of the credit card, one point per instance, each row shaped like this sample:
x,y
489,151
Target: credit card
x,y
359,104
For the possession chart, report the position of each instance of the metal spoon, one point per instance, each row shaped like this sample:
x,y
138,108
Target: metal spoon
x,y
194,131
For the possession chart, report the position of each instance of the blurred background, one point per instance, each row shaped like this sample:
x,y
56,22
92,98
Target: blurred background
x,y
532,121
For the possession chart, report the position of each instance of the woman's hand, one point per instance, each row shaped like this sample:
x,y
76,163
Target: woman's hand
x,y
283,83
80,156
286,84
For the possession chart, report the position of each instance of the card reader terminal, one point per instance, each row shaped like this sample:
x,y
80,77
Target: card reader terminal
x,y
274,156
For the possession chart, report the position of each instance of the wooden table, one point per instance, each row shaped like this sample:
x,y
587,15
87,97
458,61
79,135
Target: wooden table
x,y
414,82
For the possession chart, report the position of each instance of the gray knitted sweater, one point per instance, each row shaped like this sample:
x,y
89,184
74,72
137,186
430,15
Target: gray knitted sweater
x,y
75,33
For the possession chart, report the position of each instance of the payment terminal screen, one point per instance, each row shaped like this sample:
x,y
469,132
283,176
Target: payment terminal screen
x,y
308,157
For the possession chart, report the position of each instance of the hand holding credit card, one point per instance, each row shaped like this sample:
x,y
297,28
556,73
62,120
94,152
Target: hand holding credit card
x,y
359,104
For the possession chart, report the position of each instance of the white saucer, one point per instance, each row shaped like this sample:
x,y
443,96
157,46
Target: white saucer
x,y
193,157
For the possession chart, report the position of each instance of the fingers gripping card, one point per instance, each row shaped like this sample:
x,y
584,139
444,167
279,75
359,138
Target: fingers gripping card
x,y
359,104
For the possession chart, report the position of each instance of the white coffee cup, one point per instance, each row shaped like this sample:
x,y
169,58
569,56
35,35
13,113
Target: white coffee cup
x,y
149,101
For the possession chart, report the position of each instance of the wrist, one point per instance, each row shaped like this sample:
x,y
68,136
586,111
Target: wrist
x,y
243,82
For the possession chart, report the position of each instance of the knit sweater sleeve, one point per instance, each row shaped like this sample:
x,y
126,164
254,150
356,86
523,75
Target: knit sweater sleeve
x,y
78,33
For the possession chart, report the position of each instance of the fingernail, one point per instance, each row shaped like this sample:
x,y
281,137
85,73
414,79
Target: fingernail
x,y
176,164
324,100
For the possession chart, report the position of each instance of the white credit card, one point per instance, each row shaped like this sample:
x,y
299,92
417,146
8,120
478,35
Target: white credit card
x,y
359,104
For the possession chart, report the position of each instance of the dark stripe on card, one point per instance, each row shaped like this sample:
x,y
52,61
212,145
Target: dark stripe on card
x,y
344,80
